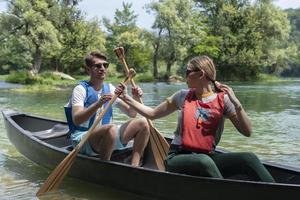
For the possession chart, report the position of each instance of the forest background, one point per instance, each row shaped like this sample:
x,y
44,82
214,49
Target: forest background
x,y
248,40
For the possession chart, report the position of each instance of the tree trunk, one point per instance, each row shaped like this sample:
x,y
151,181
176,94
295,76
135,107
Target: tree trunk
x,y
170,62
37,60
168,73
155,55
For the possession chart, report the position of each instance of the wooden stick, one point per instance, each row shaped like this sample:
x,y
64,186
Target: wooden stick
x,y
58,174
159,145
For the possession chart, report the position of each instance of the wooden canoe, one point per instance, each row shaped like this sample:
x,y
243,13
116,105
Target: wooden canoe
x,y
45,142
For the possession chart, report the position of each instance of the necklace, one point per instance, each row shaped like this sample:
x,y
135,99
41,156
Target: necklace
x,y
204,95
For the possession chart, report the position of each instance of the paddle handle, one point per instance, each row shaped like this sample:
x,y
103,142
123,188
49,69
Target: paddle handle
x,y
159,145
131,74
120,54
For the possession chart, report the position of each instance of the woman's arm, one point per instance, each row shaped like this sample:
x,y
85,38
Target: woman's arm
x,y
137,94
240,118
159,111
241,122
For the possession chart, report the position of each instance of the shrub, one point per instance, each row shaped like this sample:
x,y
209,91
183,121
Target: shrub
x,y
23,77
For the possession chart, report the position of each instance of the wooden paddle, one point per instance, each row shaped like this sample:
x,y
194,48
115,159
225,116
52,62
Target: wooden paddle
x,y
57,175
158,143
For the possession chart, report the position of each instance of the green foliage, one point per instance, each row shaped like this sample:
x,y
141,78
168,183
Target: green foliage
x,y
179,29
23,77
14,55
77,42
145,77
209,46
31,22
294,60
252,37
124,32
245,38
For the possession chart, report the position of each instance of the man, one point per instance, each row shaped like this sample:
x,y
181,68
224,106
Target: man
x,y
88,99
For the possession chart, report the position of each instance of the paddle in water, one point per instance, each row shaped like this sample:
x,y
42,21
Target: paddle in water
x,y
57,175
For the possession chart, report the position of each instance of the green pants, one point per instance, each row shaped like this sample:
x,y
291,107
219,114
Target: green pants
x,y
218,165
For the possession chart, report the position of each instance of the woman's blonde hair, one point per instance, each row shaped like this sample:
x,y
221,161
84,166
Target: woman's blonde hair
x,y
207,65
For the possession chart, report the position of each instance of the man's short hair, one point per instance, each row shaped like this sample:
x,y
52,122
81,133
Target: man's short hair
x,y
89,58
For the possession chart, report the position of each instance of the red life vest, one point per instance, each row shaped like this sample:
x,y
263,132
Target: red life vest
x,y
200,122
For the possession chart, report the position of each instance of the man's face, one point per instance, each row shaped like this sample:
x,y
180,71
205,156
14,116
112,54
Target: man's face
x,y
99,69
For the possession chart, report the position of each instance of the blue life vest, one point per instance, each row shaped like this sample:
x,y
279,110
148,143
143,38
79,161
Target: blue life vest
x,y
91,97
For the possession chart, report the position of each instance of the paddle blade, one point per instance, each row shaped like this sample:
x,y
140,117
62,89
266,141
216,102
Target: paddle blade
x,y
159,146
57,175
162,141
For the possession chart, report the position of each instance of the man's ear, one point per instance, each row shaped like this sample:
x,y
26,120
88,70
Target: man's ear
x,y
88,69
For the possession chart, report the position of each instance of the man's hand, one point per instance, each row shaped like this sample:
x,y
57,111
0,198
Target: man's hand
x,y
121,90
104,99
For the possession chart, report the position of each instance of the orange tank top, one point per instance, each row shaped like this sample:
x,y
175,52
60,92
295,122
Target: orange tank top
x,y
200,122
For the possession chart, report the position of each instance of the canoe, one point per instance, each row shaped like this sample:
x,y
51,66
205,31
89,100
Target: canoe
x,y
45,142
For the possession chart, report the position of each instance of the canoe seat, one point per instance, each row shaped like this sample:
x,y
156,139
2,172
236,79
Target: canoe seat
x,y
57,130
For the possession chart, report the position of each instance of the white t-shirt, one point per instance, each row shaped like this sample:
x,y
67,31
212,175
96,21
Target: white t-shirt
x,y
79,95
177,99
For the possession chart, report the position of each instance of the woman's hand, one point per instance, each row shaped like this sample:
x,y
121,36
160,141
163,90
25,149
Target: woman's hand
x,y
137,92
228,90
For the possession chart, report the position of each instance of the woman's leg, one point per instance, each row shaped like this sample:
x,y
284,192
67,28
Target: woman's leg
x,y
242,163
192,164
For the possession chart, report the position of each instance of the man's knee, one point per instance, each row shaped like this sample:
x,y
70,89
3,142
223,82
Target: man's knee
x,y
142,123
111,132
142,126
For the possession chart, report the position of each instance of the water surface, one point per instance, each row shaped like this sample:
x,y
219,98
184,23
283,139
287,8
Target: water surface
x,y
274,109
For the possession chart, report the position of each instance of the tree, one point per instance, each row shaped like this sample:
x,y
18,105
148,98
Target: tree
x,y
77,37
294,61
123,31
252,36
179,28
30,21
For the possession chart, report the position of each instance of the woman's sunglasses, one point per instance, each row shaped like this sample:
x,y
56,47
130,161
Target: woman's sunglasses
x,y
188,71
99,65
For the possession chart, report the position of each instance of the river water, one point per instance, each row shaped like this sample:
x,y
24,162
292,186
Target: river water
x,y
274,109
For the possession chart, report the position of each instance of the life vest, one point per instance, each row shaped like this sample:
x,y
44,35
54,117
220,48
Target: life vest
x,y
91,97
200,122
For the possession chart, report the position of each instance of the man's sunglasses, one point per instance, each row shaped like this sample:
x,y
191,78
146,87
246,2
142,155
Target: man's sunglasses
x,y
99,65
188,71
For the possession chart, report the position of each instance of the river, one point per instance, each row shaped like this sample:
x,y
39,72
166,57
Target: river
x,y
274,109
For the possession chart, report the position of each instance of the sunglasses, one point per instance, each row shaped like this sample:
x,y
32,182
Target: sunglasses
x,y
99,65
188,71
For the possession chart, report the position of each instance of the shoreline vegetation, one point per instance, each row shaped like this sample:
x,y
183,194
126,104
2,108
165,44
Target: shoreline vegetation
x,y
244,38
51,80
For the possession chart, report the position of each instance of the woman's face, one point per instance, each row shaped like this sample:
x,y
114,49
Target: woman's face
x,y
193,76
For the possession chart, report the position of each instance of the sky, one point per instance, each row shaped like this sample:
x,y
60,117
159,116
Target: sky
x,y
100,8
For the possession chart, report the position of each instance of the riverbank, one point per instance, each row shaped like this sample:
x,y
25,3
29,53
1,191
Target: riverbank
x,y
49,81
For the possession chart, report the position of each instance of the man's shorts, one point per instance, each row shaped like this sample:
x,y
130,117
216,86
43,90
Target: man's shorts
x,y
87,149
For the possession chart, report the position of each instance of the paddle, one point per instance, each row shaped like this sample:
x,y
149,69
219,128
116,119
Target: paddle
x,y
62,169
158,143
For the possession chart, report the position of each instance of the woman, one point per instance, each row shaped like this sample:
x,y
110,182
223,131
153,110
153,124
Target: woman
x,y
200,125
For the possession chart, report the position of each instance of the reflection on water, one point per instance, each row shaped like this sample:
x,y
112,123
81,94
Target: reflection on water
x,y
274,109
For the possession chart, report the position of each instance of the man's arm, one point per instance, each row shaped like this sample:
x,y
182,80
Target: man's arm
x,y
81,114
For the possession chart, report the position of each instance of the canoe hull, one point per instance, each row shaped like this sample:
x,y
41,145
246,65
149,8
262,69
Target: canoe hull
x,y
142,181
